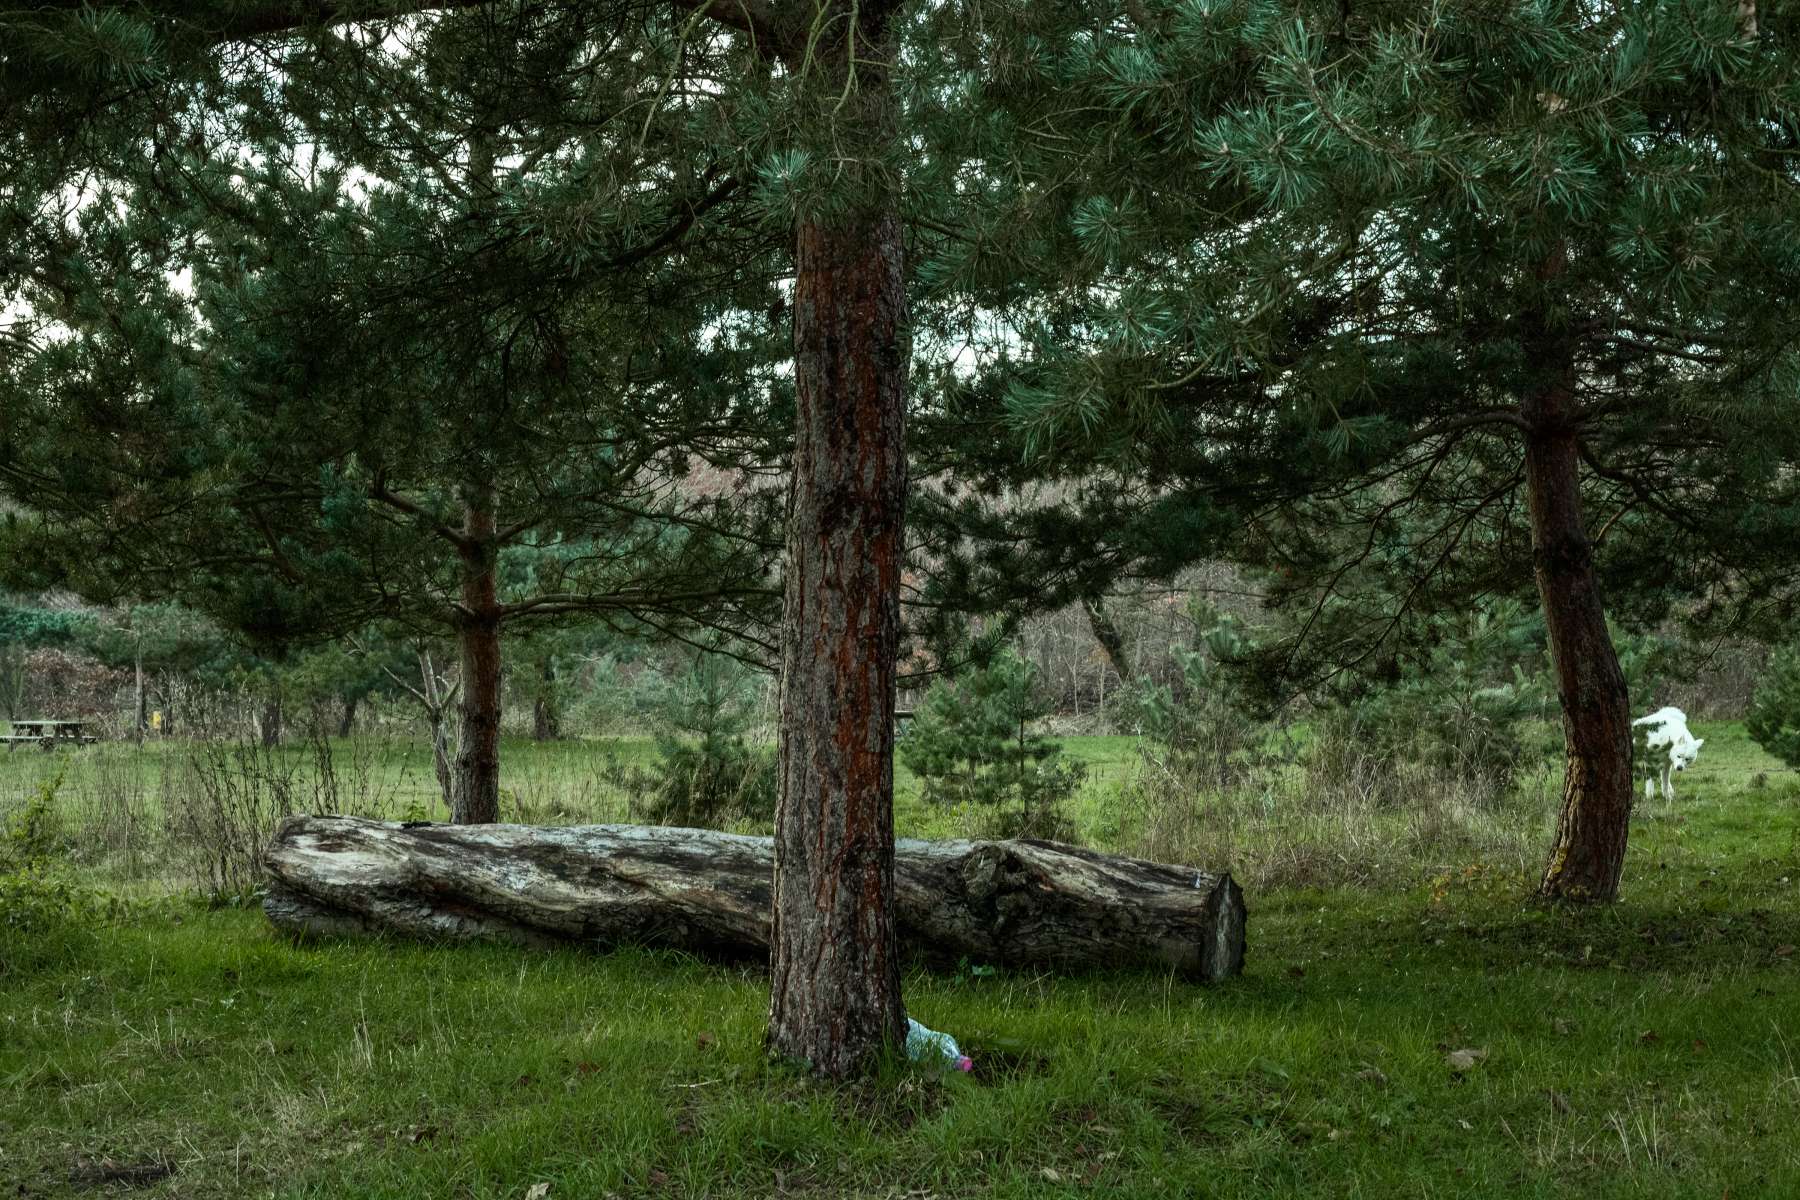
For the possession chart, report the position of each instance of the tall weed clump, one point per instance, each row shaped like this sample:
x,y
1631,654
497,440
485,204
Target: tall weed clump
x,y
1207,764
1397,782
46,919
221,811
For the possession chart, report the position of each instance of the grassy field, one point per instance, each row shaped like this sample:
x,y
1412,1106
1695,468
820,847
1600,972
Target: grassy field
x,y
1431,1036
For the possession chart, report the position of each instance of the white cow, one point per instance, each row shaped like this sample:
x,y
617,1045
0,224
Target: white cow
x,y
1664,748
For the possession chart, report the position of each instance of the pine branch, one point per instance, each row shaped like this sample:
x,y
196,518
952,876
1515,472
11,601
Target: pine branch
x,y
228,22
768,34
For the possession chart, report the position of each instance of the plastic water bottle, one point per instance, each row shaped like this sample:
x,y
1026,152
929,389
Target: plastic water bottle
x,y
924,1044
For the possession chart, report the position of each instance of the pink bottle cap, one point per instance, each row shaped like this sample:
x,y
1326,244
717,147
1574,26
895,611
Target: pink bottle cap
x,y
965,1063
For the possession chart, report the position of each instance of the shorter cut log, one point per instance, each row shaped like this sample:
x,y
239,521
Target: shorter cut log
x,y
1013,903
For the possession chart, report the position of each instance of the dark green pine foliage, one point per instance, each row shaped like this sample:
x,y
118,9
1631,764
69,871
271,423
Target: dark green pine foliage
x,y
1774,716
447,358
1035,112
1434,303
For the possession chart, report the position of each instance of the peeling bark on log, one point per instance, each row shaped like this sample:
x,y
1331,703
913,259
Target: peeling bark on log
x,y
1017,903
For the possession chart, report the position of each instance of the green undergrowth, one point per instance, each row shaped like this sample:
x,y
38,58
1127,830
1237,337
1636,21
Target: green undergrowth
x,y
1438,1039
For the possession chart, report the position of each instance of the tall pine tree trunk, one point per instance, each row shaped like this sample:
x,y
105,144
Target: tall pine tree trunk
x,y
835,977
476,784
1591,828
347,721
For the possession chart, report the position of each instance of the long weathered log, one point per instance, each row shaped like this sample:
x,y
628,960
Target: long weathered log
x,y
1010,903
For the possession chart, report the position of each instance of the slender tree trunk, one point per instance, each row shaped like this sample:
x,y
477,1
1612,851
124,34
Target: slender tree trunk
x,y
546,721
12,663
440,759
271,720
435,701
476,786
835,978
347,721
1591,828
140,703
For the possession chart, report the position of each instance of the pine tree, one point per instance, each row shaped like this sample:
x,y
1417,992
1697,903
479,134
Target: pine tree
x,y
807,84
1468,295
972,743
415,380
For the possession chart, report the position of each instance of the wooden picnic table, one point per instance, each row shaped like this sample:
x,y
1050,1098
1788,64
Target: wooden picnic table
x,y
48,734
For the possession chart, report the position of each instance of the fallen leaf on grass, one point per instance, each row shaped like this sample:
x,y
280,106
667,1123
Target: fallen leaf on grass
x,y
1649,1037
1562,1027
537,1191
1465,1059
1559,1102
1786,951
1051,1175
1373,1075
705,1041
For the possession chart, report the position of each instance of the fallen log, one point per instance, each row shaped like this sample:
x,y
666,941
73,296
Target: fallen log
x,y
1014,903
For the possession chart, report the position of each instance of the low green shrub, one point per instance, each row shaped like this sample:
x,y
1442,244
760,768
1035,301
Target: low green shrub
x,y
972,746
1774,716
1461,709
33,832
45,920
708,783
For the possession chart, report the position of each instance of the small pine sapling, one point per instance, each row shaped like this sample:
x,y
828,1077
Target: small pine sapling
x,y
972,745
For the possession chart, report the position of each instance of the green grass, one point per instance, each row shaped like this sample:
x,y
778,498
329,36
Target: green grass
x,y
1647,1049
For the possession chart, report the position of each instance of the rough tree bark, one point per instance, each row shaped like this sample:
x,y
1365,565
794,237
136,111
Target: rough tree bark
x,y
347,719
835,972
475,786
1021,903
1588,856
